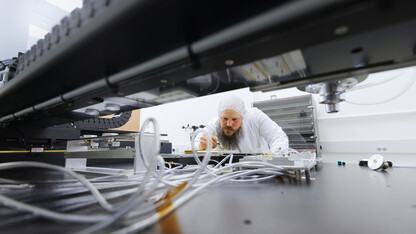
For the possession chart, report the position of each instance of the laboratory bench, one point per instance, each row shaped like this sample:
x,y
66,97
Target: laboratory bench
x,y
337,199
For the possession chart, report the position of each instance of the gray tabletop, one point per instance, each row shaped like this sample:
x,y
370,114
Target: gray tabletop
x,y
339,199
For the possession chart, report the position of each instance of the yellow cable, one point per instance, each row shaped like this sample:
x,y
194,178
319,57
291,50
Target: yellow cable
x,y
256,65
14,151
28,151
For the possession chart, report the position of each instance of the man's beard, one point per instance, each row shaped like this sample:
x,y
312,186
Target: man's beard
x,y
229,142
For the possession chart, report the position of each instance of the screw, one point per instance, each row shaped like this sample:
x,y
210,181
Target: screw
x,y
229,62
341,30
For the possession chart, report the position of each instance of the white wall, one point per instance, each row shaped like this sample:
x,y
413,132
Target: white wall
x,y
14,26
17,15
377,119
172,116
357,131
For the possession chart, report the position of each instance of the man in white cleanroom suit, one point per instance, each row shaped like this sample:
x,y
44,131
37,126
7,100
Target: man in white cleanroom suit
x,y
244,130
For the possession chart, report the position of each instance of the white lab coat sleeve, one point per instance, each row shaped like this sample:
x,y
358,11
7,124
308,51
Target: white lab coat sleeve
x,y
275,137
210,127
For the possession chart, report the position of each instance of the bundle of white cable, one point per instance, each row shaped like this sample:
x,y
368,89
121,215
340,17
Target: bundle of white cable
x,y
51,214
142,192
155,182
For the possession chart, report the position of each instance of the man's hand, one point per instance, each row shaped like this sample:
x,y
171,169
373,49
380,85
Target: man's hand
x,y
203,142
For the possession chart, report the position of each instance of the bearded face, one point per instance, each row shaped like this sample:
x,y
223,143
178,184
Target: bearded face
x,y
229,129
226,141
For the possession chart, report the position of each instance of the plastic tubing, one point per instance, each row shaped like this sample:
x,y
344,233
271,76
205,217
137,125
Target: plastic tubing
x,y
169,166
268,166
276,170
127,206
50,214
215,161
135,198
288,151
231,158
242,164
155,217
149,207
398,94
157,146
209,144
207,157
260,170
272,174
222,161
167,182
157,139
358,87
109,177
141,224
100,199
171,171
225,177
237,174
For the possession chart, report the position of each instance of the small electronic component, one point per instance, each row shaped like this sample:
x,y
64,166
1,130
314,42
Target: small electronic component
x,y
376,162
340,163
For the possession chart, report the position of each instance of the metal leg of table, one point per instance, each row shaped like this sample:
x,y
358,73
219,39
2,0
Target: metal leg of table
x,y
297,174
307,174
